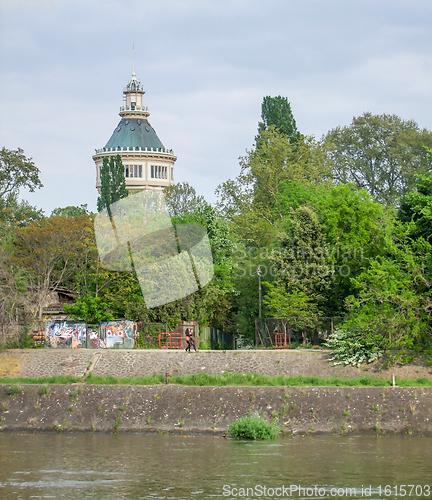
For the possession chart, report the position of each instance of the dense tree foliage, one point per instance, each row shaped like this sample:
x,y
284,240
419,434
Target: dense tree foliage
x,y
50,253
318,218
89,309
71,211
381,153
249,200
416,205
303,260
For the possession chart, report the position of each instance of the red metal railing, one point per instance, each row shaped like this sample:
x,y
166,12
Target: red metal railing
x,y
170,340
280,340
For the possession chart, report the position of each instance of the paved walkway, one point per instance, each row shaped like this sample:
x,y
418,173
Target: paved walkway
x,y
138,363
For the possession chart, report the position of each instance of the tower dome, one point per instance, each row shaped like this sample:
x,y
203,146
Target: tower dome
x,y
148,164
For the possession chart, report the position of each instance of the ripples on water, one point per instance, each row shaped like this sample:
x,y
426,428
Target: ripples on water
x,y
142,466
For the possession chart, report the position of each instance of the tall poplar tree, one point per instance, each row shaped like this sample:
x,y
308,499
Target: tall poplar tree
x,y
276,112
113,184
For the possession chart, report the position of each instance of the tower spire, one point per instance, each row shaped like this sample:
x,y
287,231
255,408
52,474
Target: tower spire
x,y
133,59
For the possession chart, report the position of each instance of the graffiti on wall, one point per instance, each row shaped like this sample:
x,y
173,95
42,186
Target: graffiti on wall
x,y
118,334
65,334
93,339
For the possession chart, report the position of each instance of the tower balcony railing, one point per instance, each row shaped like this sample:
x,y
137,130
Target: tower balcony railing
x,y
142,109
120,149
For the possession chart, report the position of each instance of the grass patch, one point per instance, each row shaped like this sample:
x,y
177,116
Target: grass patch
x,y
253,427
226,379
56,379
254,379
111,380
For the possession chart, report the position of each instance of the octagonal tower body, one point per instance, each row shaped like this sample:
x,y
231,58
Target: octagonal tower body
x,y
148,164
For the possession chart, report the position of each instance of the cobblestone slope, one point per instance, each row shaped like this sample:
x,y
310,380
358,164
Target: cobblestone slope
x,y
137,363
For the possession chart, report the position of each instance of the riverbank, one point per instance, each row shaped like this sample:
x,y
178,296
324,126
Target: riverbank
x,y
182,409
195,409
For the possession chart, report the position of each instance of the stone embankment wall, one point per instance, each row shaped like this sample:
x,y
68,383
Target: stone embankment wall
x,y
169,408
138,363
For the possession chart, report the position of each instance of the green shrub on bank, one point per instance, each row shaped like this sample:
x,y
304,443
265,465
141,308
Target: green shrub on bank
x,y
204,345
353,348
253,427
13,390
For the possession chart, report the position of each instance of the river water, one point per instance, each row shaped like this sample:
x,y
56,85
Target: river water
x,y
147,466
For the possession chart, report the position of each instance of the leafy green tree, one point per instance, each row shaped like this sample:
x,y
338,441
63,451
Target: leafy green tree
x,y
416,206
49,252
394,295
293,194
381,153
276,112
16,172
356,229
295,308
89,309
14,212
71,211
302,264
182,198
249,201
284,305
113,183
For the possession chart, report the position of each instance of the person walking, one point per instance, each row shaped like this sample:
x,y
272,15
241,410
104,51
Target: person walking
x,y
192,339
188,340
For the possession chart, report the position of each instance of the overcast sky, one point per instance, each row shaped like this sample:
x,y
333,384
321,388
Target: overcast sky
x,y
205,67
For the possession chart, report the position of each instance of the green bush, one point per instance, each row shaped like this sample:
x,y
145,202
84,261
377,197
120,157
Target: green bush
x,y
253,427
353,348
204,345
13,390
44,391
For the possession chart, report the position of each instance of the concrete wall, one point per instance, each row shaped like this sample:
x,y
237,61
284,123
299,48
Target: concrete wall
x,y
303,410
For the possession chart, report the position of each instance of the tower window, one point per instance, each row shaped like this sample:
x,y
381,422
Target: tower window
x,y
132,171
158,172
